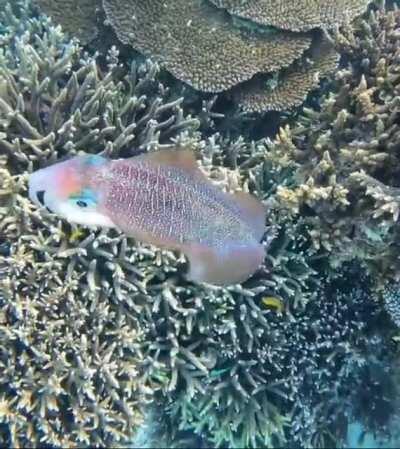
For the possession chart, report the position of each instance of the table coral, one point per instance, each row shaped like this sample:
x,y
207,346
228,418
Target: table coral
x,y
289,88
214,51
215,56
296,15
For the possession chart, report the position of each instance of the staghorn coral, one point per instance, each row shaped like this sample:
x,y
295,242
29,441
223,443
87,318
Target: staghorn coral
x,y
137,328
53,100
296,15
346,155
199,45
80,18
183,320
273,371
290,87
71,359
93,323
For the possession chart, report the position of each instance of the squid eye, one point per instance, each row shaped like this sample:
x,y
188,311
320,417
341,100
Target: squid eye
x,y
40,196
81,203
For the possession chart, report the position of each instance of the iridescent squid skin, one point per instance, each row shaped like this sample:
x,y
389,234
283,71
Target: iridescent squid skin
x,y
161,198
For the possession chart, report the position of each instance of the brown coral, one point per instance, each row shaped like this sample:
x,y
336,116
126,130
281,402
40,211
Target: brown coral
x,y
198,44
68,361
72,371
77,17
296,15
346,155
91,322
213,51
290,89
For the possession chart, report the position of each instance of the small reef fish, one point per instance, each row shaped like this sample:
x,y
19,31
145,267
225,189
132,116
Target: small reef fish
x,y
274,303
161,198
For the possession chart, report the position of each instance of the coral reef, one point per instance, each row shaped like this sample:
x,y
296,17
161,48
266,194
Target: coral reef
x,y
391,301
94,326
296,15
214,51
71,359
78,18
84,338
345,154
274,370
291,87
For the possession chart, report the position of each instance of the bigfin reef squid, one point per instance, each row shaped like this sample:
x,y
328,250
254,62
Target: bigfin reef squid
x,y
161,198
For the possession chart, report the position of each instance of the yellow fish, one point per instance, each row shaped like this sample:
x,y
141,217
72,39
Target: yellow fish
x,y
274,302
76,234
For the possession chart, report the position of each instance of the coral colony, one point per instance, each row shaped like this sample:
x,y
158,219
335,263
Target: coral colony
x,y
105,340
224,47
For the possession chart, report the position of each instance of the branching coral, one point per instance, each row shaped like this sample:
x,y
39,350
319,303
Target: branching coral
x,y
185,322
346,155
69,359
391,300
71,353
52,100
274,370
94,323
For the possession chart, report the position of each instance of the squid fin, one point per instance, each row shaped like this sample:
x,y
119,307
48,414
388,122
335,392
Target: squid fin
x,y
230,265
253,212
